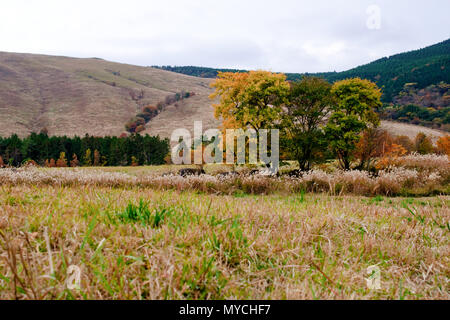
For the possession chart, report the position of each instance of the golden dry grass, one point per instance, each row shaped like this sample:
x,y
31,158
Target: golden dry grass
x,y
194,245
412,175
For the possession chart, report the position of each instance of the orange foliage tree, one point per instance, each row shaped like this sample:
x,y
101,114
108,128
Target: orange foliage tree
x,y
52,163
443,145
373,144
405,142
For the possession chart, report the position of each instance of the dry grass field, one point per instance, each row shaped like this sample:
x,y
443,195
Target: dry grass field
x,y
135,234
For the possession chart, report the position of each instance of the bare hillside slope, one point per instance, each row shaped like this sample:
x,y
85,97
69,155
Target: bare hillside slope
x,y
72,96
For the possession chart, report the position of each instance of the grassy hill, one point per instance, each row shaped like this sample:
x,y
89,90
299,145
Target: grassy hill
x,y
426,66
71,96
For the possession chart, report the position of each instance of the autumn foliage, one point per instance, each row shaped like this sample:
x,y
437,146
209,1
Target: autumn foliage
x,y
443,145
392,153
62,161
374,143
249,99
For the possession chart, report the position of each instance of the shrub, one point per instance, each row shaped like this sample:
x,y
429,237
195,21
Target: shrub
x,y
423,144
150,109
134,123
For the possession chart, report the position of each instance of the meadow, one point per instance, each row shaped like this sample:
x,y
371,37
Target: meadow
x,y
134,233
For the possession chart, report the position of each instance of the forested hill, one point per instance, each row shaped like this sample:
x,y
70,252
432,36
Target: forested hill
x,y
426,66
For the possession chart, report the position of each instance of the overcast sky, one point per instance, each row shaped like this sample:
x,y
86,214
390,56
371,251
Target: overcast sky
x,y
277,35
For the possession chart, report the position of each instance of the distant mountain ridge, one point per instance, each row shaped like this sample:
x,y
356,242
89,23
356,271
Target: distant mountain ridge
x,y
427,66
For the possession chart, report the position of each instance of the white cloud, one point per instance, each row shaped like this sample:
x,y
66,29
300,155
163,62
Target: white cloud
x,y
284,35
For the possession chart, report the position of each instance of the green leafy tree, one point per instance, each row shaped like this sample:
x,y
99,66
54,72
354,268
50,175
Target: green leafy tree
x,y
308,103
354,111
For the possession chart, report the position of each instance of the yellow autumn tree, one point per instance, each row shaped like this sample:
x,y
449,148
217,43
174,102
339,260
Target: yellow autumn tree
x,y
249,100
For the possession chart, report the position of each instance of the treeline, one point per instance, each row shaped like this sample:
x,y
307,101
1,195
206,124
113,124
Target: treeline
x,y
137,124
205,72
40,149
201,72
